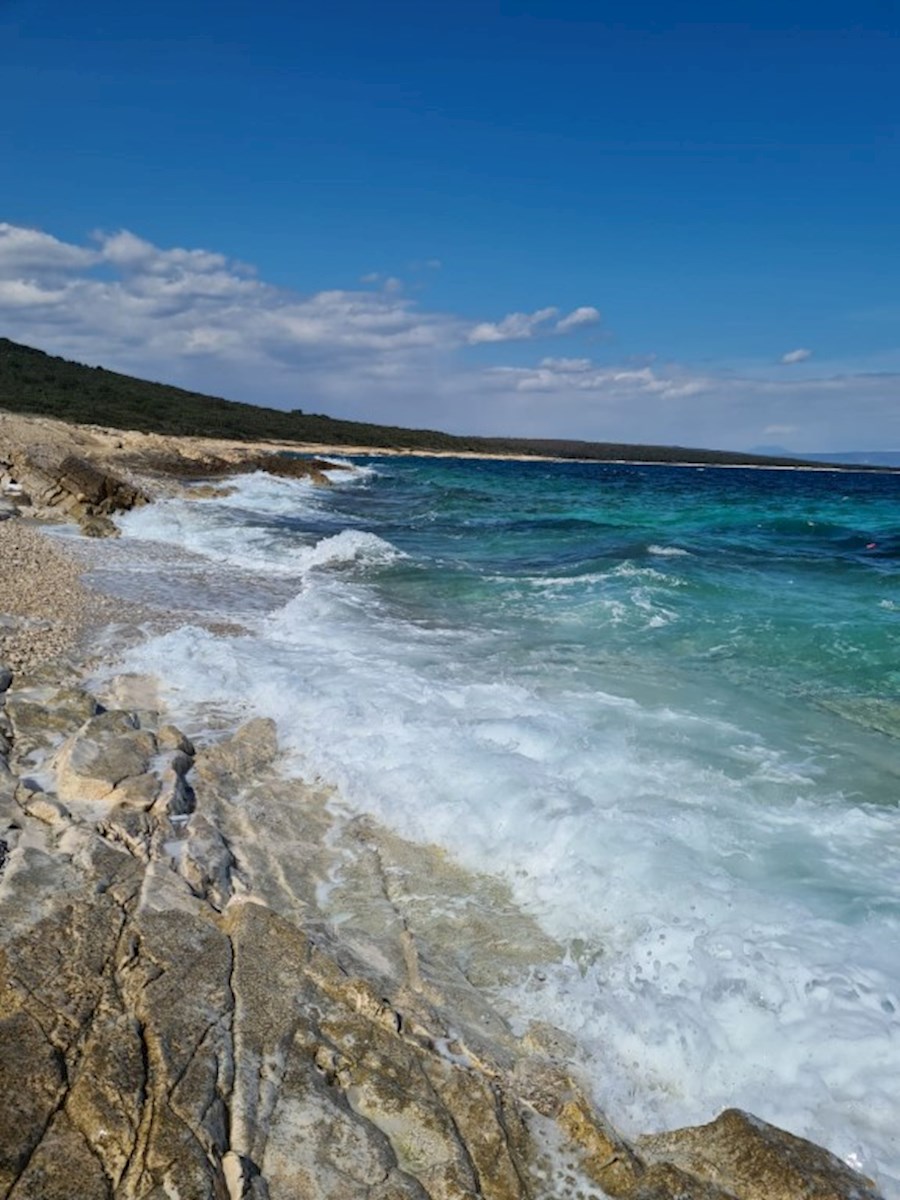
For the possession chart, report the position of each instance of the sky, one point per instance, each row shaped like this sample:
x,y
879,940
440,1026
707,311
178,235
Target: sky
x,y
646,222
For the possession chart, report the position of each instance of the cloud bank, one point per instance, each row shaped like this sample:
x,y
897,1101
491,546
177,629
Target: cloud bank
x,y
199,319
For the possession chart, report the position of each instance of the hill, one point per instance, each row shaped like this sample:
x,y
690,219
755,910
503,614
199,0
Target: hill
x,y
35,383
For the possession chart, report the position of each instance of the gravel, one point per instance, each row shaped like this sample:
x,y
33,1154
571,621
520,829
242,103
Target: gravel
x,y
44,608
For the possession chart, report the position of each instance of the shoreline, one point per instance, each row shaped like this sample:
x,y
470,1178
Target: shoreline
x,y
125,449
204,839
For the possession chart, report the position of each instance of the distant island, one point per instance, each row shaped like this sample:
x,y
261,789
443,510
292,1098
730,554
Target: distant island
x,y
35,383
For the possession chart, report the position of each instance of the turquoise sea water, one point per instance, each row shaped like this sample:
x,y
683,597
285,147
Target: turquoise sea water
x,y
664,703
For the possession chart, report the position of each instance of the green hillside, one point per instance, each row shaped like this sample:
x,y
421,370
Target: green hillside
x,y
36,383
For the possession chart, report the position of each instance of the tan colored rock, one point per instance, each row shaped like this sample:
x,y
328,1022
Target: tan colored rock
x,y
47,809
32,1079
170,737
90,770
104,760
138,791
757,1161
63,1166
41,718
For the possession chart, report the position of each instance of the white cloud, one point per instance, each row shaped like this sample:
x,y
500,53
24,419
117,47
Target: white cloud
x,y
566,364
795,356
515,327
586,315
24,250
519,326
582,375
199,319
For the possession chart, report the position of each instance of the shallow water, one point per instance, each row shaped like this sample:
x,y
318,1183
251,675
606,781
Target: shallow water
x,y
663,703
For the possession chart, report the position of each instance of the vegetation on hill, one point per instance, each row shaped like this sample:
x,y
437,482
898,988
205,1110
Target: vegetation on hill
x,y
36,383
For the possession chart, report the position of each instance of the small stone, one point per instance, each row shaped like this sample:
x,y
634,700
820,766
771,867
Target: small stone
x,y
171,738
6,678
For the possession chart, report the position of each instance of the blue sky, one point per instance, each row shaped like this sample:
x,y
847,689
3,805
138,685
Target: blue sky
x,y
559,219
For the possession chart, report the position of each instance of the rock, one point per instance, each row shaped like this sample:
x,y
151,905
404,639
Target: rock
x,y
209,491
98,527
207,862
56,481
6,678
753,1160
129,828
246,755
136,791
95,486
175,797
171,738
7,510
40,718
47,809
31,1084
94,762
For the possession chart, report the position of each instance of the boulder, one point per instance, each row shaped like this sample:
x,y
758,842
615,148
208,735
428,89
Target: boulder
x,y
752,1160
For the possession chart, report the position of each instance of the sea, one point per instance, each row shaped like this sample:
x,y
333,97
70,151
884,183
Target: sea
x,y
661,702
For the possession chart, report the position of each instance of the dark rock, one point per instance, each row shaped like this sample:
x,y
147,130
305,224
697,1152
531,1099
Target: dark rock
x,y
93,485
98,527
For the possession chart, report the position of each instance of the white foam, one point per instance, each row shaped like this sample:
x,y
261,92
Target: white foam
x,y
668,552
348,546
238,529
346,471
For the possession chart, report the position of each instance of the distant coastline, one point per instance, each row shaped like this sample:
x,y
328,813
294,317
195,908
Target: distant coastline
x,y
33,383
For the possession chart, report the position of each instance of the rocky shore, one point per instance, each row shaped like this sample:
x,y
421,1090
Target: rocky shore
x,y
211,986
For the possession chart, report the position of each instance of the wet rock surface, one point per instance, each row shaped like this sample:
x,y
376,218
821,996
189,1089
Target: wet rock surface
x,y
180,1017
